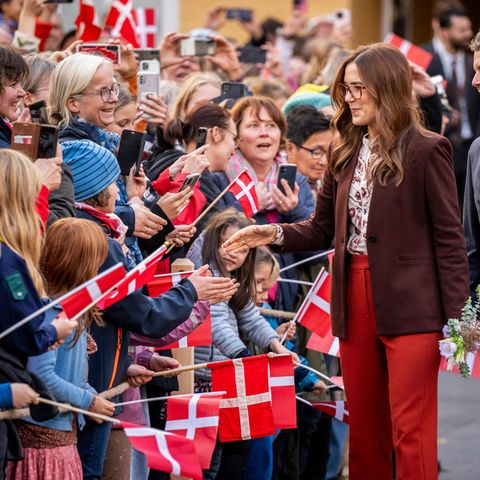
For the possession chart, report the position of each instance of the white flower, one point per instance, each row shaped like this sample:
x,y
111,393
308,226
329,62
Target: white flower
x,y
447,349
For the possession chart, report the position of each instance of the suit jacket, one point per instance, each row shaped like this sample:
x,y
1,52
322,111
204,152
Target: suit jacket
x,y
415,244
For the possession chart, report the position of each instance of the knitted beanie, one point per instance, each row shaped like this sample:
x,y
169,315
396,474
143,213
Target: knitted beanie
x,y
93,167
317,100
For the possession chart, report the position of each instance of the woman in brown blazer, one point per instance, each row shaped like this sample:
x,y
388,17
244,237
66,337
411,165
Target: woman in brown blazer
x,y
389,205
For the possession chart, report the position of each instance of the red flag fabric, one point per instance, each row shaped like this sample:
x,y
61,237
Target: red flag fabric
x,y
120,19
314,313
336,409
246,410
196,418
472,361
200,337
134,279
243,187
82,296
415,54
338,381
327,344
164,282
282,391
87,22
146,28
165,451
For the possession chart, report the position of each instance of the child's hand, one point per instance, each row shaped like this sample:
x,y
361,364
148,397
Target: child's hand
x,y
160,364
138,375
289,327
319,387
23,395
101,406
64,327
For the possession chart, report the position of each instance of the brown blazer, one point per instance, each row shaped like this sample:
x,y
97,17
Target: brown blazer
x,y
415,243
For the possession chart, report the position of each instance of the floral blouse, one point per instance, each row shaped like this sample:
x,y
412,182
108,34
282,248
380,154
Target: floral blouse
x,y
359,202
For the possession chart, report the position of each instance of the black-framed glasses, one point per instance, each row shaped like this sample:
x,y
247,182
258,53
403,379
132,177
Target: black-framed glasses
x,y
317,153
354,90
105,92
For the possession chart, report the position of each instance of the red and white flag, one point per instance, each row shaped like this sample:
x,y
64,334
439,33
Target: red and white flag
x,y
201,336
327,344
472,361
246,409
87,22
314,313
122,22
146,27
415,54
336,409
164,282
135,278
82,296
282,391
196,417
165,451
243,187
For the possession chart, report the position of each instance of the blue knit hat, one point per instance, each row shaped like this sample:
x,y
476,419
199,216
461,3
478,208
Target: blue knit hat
x,y
93,167
317,100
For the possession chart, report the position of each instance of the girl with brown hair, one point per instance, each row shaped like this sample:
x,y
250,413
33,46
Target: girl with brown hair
x,y
389,205
50,447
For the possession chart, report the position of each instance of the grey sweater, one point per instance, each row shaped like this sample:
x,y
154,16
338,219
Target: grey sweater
x,y
228,326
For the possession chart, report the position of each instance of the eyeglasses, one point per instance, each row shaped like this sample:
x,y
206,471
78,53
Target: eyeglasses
x,y
105,93
354,90
316,153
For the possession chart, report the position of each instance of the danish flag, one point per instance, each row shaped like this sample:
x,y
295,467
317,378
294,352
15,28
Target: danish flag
x,y
314,313
327,344
146,28
246,410
243,188
415,54
135,278
87,22
282,391
472,361
196,417
164,282
336,409
165,451
122,22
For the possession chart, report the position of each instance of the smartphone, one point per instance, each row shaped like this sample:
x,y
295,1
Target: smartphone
x,y
202,137
147,54
111,52
148,83
288,171
130,151
38,112
233,90
241,14
47,141
252,54
35,140
197,47
190,181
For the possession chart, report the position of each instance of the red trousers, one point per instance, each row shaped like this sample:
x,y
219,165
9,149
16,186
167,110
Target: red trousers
x,y
391,390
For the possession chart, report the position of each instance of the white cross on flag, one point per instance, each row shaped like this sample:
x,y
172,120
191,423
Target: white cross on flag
x,y
82,296
282,391
472,361
314,313
246,410
196,418
146,28
165,451
336,409
135,278
87,21
327,344
120,19
243,187
415,54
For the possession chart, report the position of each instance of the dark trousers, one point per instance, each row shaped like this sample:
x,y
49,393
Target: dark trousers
x,y
234,458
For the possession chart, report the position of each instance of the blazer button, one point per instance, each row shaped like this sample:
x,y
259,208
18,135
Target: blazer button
x,y
372,238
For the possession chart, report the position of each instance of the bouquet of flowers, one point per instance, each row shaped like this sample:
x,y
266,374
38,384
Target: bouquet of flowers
x,y
462,337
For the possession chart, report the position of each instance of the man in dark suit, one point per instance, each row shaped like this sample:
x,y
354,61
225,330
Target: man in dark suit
x,y
451,60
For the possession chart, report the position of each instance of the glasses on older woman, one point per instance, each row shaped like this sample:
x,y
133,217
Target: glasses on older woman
x,y
316,153
105,92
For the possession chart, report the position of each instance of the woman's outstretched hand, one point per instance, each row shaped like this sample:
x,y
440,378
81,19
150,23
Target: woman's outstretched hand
x,y
251,237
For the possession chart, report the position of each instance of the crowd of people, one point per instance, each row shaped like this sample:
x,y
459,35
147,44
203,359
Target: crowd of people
x,y
372,137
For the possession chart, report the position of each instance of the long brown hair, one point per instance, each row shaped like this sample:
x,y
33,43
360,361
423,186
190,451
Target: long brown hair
x,y
20,225
73,251
245,275
387,77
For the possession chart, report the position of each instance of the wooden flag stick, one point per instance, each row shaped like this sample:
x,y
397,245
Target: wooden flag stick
x,y
156,399
277,313
298,282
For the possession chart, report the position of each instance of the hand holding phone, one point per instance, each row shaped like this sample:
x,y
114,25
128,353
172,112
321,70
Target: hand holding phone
x,y
288,172
130,151
107,50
